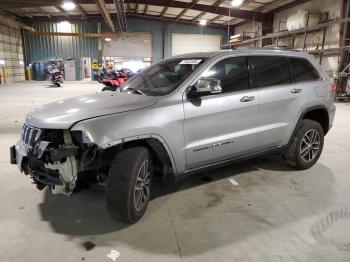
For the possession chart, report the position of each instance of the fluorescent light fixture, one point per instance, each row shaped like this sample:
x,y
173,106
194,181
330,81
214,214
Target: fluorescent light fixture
x,y
203,22
236,3
68,6
107,39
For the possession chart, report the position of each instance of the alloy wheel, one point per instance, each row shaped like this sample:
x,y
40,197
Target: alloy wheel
x,y
310,145
142,186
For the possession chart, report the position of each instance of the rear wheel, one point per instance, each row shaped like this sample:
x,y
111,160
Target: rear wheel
x,y
129,184
306,147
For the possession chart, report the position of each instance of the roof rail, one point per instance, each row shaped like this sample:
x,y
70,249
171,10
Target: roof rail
x,y
274,47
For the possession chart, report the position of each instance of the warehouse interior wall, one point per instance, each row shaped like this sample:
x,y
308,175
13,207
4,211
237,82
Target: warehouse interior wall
x,y
11,54
42,48
48,47
162,32
332,40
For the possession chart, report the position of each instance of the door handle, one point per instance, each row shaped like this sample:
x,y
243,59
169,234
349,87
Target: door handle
x,y
296,90
247,98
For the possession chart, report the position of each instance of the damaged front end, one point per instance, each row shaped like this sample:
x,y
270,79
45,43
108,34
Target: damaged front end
x,y
53,158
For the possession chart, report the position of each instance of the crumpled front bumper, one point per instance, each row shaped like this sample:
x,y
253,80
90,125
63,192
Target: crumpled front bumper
x,y
60,175
17,152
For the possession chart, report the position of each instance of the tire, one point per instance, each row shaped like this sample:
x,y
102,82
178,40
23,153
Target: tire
x,y
303,153
107,88
121,193
58,84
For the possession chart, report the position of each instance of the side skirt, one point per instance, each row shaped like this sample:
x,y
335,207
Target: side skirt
x,y
180,176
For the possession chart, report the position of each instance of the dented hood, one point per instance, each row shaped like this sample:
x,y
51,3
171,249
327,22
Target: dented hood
x,y
64,113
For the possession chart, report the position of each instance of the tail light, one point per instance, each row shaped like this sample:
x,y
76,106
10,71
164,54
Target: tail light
x,y
334,87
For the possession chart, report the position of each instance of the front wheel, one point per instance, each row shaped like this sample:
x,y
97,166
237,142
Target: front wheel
x,y
129,184
306,146
107,88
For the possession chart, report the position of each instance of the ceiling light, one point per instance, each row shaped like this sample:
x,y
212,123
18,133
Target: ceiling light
x,y
107,39
236,3
68,6
203,22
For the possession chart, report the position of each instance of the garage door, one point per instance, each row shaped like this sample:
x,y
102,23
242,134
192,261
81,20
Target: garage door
x,y
187,43
131,45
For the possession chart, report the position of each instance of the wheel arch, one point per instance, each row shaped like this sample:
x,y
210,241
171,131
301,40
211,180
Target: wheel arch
x,y
318,113
155,143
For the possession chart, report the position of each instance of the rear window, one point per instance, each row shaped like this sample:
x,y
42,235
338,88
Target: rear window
x,y
269,70
302,70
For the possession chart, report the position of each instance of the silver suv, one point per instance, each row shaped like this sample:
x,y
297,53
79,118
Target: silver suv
x,y
180,116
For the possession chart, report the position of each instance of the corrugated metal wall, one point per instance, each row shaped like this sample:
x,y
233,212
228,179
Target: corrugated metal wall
x,y
62,47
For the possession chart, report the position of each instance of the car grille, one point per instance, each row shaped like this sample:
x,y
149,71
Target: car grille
x,y
30,134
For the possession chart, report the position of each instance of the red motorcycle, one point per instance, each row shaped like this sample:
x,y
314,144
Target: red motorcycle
x,y
115,80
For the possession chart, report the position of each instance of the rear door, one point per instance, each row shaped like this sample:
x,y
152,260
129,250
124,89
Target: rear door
x,y
222,126
283,89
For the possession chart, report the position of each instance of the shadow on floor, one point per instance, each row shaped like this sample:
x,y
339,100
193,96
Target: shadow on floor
x,y
206,212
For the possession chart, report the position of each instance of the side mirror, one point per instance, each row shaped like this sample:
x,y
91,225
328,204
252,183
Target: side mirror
x,y
205,86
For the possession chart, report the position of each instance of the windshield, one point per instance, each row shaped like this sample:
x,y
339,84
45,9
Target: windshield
x,y
163,77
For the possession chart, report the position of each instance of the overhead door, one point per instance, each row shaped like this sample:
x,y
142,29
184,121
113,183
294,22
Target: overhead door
x,y
188,43
130,45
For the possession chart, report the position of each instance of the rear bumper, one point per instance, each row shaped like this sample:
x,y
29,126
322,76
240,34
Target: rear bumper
x,y
331,113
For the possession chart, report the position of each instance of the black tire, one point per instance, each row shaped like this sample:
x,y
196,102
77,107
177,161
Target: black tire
x,y
121,183
107,88
294,156
58,84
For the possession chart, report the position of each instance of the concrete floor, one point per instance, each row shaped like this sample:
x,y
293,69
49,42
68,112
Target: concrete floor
x,y
274,214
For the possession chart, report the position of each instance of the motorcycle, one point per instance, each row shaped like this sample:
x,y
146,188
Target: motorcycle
x,y
116,79
56,76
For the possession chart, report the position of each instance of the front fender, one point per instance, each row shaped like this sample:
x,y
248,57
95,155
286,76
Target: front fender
x,y
109,131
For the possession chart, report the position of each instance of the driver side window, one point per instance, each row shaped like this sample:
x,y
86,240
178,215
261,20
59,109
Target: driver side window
x,y
232,73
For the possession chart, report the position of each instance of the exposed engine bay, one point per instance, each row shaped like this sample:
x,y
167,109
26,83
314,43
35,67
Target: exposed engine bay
x,y
56,158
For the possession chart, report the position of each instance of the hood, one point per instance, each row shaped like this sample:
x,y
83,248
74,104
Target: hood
x,y
64,113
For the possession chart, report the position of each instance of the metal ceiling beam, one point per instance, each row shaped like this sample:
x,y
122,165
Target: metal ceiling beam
x,y
171,20
243,14
199,16
215,19
42,11
95,35
289,5
215,5
145,10
164,11
82,11
61,10
105,13
186,9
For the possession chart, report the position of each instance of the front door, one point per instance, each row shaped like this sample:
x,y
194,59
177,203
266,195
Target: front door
x,y
222,126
